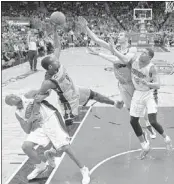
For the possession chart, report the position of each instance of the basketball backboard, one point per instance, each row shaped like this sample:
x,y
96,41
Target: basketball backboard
x,y
142,14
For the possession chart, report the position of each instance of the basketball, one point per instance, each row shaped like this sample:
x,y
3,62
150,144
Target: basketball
x,y
58,18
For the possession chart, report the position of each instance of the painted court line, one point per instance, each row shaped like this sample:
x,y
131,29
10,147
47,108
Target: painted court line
x,y
63,155
16,171
120,154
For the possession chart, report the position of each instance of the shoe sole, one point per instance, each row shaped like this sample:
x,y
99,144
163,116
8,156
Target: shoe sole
x,y
37,174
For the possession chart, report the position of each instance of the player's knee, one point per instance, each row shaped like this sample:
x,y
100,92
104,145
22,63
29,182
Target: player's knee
x,y
133,121
152,118
93,95
27,146
136,126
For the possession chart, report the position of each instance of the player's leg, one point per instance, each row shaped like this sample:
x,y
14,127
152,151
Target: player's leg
x,y
36,137
54,128
83,169
87,94
134,121
149,126
137,110
152,115
28,148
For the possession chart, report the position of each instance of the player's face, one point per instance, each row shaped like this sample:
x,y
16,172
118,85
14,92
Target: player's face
x,y
144,57
122,37
53,68
14,100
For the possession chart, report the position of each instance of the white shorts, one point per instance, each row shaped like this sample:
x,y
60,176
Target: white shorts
x,y
143,101
126,93
53,130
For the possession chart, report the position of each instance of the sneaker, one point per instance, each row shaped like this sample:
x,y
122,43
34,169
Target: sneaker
x,y
152,133
168,142
145,150
38,170
50,158
86,175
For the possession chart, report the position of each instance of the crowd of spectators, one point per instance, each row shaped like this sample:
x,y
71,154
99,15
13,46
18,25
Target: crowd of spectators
x,y
104,18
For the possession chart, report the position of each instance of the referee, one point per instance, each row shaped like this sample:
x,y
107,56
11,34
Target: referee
x,y
32,51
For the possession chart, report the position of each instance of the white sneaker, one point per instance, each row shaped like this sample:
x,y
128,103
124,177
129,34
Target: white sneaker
x,y
168,142
145,150
50,158
153,136
38,170
86,175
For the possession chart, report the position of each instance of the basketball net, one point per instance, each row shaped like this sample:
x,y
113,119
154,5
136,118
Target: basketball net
x,y
169,7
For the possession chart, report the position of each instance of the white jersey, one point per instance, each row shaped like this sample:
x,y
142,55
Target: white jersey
x,y
25,112
122,71
139,74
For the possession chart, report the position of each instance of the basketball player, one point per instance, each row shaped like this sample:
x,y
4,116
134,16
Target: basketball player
x,y
58,79
49,127
145,80
121,65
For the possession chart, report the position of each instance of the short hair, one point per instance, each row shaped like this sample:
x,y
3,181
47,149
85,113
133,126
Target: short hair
x,y
8,97
46,61
150,52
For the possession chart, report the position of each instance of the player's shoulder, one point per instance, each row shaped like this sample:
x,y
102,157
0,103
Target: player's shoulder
x,y
133,49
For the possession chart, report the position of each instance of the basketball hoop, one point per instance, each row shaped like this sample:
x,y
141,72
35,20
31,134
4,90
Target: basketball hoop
x,y
169,7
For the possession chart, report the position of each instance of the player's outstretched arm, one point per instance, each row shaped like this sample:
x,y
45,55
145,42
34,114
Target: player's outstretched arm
x,y
83,23
25,125
33,94
57,42
46,86
113,59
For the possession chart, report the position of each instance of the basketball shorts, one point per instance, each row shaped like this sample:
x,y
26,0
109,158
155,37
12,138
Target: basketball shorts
x,y
84,96
143,101
126,93
53,130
